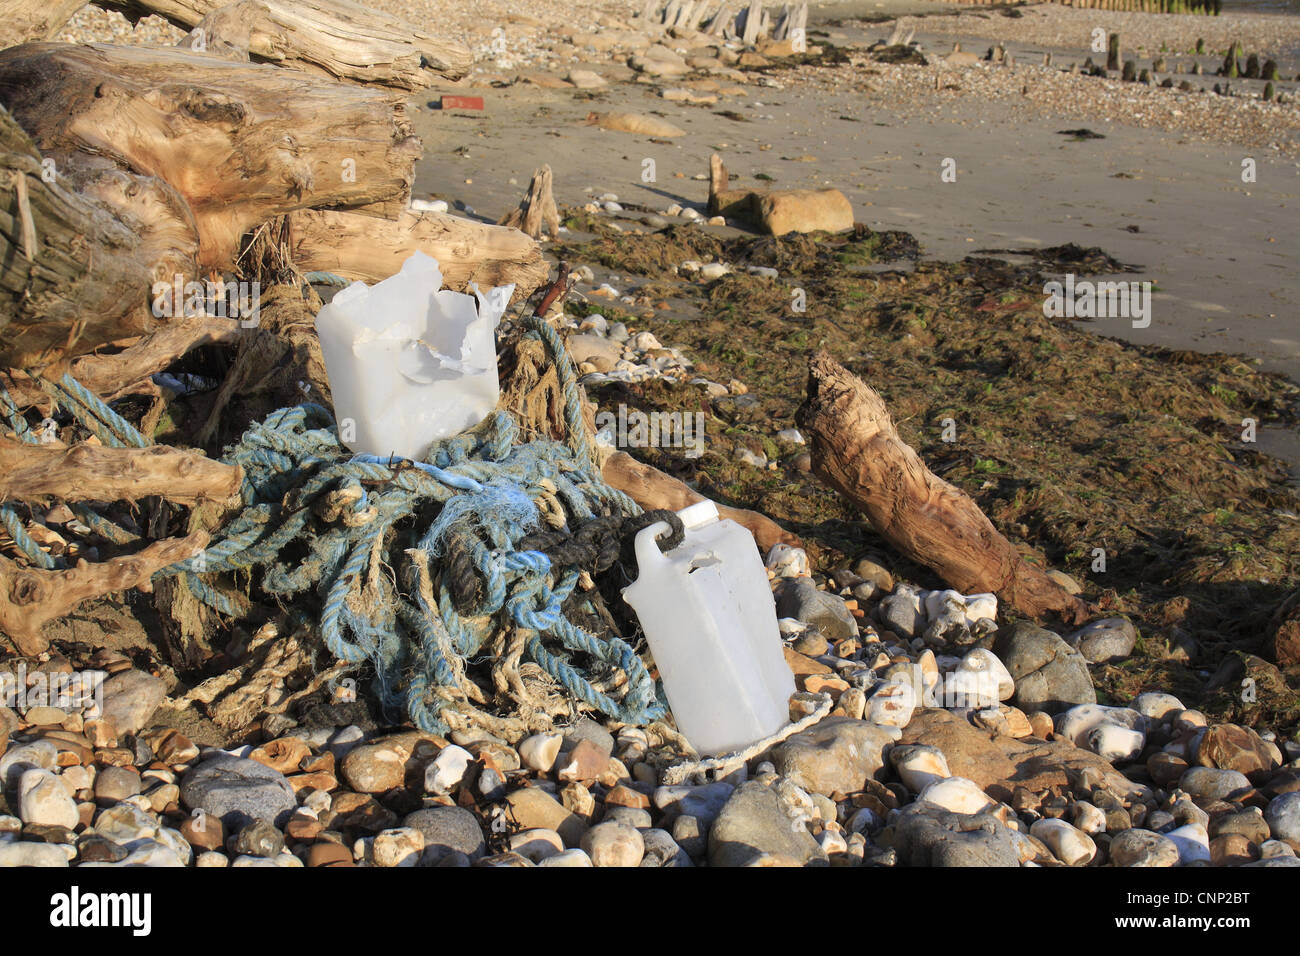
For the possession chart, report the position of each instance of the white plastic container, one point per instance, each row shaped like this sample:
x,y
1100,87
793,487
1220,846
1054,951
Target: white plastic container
x,y
409,364
709,616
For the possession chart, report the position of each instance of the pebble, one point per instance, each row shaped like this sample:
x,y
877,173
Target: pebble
x,y
259,838
375,768
786,561
39,754
1283,817
398,847
213,860
1106,640
1049,674
901,611
536,844
43,800
574,857
1135,847
116,783
661,850
1068,844
24,853
1193,843
588,729
238,790
759,819
922,834
836,754
1205,785
919,765
800,598
956,795
533,807
1156,706
130,699
447,830
1232,747
448,769
614,844
892,705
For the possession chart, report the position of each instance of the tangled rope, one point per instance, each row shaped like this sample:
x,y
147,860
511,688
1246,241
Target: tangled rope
x,y
421,565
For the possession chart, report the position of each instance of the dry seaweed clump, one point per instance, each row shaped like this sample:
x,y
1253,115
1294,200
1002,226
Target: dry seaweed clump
x,y
1120,464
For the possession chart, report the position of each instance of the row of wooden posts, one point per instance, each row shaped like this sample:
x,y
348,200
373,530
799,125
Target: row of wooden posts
x,y
1206,7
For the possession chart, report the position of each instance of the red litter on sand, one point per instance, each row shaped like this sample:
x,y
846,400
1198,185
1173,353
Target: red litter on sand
x,y
461,102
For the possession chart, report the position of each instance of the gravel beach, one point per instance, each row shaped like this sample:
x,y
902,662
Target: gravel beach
x,y
942,728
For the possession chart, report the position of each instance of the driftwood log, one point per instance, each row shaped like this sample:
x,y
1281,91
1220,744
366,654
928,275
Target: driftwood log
x,y
241,143
72,271
30,598
336,38
651,488
357,246
330,37
858,452
25,20
95,473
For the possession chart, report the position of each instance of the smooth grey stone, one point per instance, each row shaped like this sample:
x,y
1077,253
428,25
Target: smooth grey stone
x,y
1208,784
1283,816
758,820
449,830
800,599
1050,675
239,791
662,850
925,835
1110,639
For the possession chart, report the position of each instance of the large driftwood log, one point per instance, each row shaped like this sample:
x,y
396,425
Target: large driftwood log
x,y
96,473
651,488
73,274
241,143
24,20
29,598
857,451
356,246
330,37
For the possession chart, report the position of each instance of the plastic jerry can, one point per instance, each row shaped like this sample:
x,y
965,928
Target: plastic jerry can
x,y
710,619
409,362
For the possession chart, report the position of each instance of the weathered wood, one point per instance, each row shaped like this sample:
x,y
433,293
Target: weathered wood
x,y
536,209
96,473
857,451
129,371
73,274
241,143
334,38
29,598
363,247
22,21
651,488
